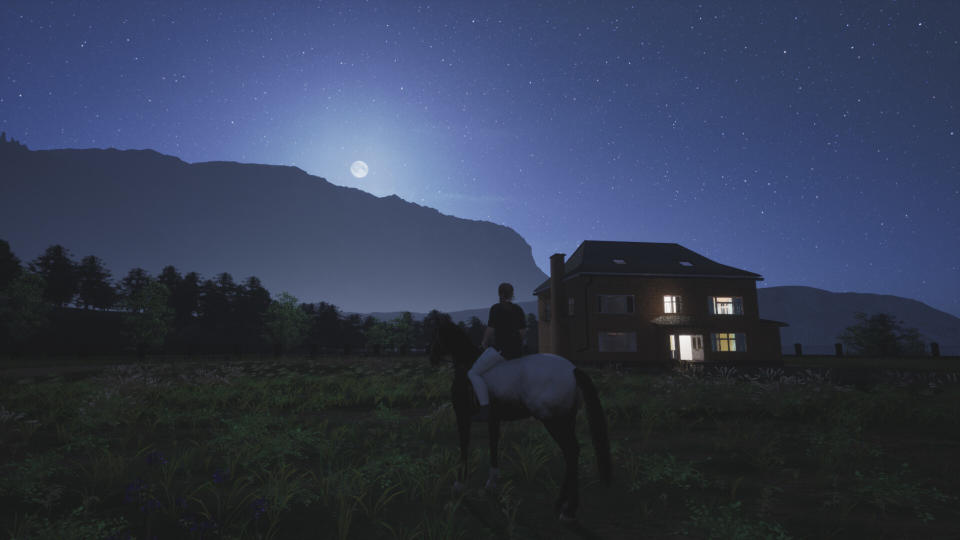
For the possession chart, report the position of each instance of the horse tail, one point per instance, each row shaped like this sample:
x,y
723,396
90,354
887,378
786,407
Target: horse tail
x,y
598,423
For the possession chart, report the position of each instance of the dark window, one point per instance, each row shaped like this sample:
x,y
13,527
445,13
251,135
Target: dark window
x,y
615,303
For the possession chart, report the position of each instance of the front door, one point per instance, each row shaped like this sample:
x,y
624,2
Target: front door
x,y
688,347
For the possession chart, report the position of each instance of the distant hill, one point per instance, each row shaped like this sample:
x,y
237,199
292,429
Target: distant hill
x,y
817,317
296,232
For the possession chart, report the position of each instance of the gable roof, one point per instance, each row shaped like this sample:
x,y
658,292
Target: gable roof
x,y
653,259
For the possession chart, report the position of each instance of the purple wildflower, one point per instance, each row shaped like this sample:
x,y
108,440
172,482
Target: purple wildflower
x,y
220,475
259,507
156,457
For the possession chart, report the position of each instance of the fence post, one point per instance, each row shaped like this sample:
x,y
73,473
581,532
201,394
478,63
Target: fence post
x,y
798,349
935,349
838,348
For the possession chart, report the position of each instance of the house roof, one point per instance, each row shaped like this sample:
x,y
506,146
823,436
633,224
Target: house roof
x,y
653,259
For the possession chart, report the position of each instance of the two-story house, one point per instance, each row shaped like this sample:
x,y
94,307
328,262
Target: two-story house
x,y
652,303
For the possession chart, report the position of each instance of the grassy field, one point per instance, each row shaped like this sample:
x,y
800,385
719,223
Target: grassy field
x,y
366,448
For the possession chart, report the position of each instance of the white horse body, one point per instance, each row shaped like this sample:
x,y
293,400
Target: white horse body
x,y
543,383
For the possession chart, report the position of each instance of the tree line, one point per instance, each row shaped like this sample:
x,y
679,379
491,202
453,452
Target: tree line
x,y
57,304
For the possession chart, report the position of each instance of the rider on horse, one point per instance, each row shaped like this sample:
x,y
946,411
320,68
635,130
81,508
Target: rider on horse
x,y
506,325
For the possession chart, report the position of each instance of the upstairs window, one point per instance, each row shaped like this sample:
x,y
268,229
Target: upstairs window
x,y
686,263
729,342
726,305
671,304
615,303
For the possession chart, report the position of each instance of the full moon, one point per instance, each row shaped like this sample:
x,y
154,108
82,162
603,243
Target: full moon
x,y
359,169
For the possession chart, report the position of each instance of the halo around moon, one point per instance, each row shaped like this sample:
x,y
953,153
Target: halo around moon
x,y
359,169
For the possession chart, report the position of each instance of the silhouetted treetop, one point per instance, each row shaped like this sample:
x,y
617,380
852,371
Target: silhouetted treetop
x,y
95,289
9,265
59,272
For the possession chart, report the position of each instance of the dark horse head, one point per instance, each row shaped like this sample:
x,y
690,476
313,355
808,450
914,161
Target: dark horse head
x,y
450,340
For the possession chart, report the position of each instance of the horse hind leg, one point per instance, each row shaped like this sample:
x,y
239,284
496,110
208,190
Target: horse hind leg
x,y
563,431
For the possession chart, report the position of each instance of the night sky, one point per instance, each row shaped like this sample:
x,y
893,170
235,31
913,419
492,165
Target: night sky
x,y
816,143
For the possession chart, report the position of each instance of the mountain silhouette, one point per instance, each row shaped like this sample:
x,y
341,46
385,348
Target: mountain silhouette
x,y
296,232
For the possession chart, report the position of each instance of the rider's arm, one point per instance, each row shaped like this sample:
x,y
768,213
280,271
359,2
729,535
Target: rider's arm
x,y
488,337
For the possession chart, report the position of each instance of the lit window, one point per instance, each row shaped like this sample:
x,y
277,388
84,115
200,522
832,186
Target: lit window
x,y
729,342
615,303
726,305
617,341
671,304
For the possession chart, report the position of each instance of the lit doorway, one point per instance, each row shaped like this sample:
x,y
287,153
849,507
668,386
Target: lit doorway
x,y
687,347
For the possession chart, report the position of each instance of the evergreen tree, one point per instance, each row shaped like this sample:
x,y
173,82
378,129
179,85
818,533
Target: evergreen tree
x,y
23,312
185,299
94,287
134,283
59,272
881,335
352,333
326,325
286,323
253,300
9,265
147,317
170,278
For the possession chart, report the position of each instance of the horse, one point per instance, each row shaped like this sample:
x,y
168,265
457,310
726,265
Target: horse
x,y
544,386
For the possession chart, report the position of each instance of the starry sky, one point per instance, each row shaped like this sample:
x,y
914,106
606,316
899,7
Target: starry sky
x,y
814,142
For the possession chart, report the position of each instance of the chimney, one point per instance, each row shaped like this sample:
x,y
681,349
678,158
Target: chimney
x,y
557,299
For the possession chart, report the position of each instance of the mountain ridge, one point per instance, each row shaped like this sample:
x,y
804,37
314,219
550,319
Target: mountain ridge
x,y
141,208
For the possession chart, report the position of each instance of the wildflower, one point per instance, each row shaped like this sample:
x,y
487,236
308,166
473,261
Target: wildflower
x,y
220,475
259,507
134,491
156,457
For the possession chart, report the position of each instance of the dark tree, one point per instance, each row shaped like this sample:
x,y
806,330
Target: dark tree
x,y
285,322
185,299
252,302
59,272
880,335
134,283
170,278
352,333
9,265
147,318
23,312
326,325
94,289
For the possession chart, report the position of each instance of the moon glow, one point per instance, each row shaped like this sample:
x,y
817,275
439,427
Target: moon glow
x,y
359,169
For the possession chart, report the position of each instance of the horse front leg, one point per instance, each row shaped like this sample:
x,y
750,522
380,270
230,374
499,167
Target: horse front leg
x,y
463,428
494,430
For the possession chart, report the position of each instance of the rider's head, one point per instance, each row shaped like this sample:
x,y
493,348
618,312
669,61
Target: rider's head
x,y
505,291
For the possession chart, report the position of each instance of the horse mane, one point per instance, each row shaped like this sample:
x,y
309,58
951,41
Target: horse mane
x,y
463,350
